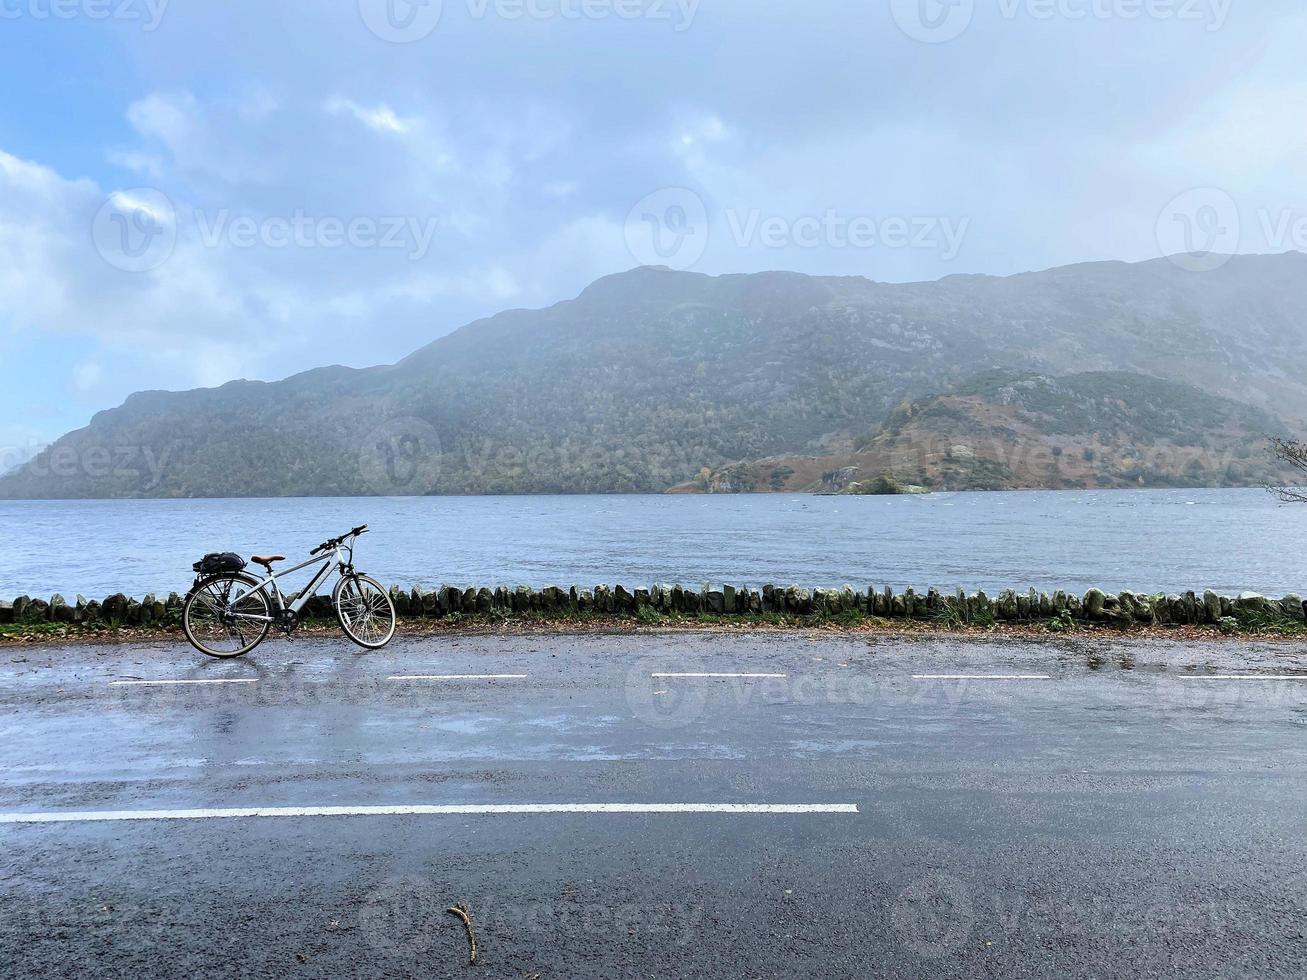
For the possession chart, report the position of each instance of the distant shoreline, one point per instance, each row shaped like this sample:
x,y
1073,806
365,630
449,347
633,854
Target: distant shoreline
x,y
672,492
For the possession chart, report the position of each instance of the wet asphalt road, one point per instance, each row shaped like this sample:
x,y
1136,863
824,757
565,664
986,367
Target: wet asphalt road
x,y
1120,818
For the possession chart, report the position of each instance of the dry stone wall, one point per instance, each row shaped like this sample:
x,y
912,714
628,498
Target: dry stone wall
x,y
959,607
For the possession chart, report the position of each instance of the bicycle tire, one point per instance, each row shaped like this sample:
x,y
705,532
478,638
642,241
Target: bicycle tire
x,y
192,618
377,601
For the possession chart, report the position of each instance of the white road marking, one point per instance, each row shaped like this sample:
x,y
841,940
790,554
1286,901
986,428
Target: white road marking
x,y
457,677
100,816
1243,677
981,677
719,675
228,680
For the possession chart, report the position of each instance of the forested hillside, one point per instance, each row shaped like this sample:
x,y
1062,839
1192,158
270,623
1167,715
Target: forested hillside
x,y
652,377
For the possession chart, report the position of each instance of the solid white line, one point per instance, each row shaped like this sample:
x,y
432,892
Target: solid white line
x,y
718,675
1243,677
981,677
99,816
457,677
233,680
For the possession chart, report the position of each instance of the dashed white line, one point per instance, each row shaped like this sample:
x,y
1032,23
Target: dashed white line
x,y
1243,677
457,677
100,816
224,680
981,677
718,675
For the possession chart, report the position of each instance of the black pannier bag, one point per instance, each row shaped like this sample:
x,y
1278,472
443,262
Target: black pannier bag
x,y
215,562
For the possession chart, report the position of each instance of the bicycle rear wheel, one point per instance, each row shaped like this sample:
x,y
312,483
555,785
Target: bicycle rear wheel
x,y
365,611
226,615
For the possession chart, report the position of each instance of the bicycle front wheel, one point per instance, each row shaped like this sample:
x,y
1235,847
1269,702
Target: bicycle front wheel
x,y
365,611
226,615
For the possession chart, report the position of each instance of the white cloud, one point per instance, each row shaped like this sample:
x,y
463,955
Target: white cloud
x,y
53,280
204,141
529,173
380,118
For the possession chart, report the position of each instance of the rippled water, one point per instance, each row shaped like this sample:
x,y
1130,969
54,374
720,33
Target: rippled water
x,y
1147,540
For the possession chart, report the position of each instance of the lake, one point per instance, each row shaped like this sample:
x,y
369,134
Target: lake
x,y
1147,540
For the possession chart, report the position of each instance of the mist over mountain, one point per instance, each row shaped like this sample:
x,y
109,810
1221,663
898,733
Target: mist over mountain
x,y
650,377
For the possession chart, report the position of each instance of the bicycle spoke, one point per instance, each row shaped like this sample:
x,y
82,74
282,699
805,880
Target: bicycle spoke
x,y
221,617
365,612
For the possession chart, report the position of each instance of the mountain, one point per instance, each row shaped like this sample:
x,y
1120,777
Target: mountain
x,y
1003,430
649,376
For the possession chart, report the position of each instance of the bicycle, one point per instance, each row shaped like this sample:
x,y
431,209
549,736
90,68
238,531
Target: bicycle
x,y
229,612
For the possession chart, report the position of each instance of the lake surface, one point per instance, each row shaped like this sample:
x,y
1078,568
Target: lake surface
x,y
1147,540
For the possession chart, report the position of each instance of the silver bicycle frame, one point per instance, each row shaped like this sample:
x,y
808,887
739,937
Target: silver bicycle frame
x,y
309,592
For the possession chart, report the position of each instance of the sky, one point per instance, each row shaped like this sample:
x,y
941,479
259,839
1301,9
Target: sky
x,y
192,192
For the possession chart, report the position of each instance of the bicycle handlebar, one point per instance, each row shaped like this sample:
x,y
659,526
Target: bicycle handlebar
x,y
332,542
